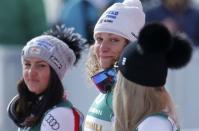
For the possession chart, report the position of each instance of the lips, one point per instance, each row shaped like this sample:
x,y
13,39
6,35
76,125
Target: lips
x,y
33,81
105,56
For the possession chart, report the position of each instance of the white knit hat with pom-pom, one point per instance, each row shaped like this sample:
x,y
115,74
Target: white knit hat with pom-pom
x,y
52,50
123,19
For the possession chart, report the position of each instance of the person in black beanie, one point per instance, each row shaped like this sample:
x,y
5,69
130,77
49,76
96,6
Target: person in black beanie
x,y
140,99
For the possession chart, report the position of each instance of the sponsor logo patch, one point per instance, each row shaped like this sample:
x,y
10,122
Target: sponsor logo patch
x,y
35,50
44,44
109,17
52,122
56,62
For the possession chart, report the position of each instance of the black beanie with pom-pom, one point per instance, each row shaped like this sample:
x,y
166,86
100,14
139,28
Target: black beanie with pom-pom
x,y
146,61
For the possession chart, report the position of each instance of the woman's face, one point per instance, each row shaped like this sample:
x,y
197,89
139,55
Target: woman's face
x,y
108,48
36,74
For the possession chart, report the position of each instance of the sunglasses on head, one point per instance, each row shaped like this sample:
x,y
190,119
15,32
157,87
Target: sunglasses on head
x,y
105,80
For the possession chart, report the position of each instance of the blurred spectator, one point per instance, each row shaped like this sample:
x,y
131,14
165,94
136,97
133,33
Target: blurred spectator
x,y
20,20
178,16
149,4
83,14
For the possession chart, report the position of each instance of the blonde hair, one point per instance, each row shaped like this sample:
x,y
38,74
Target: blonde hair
x,y
131,102
92,63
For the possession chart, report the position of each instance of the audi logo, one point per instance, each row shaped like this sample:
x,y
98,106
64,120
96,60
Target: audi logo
x,y
52,122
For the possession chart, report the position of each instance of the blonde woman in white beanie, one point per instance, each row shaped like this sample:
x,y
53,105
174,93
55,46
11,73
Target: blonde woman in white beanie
x,y
118,25
41,104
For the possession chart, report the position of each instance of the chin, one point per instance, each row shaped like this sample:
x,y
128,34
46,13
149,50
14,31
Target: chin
x,y
105,65
33,89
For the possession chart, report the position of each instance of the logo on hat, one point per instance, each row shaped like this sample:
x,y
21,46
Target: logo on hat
x,y
35,50
56,62
45,44
133,34
123,61
110,16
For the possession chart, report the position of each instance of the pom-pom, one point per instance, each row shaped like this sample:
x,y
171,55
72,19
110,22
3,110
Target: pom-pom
x,y
133,3
155,38
180,53
67,35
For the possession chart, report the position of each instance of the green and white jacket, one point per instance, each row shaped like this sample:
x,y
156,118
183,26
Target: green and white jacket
x,y
62,117
100,114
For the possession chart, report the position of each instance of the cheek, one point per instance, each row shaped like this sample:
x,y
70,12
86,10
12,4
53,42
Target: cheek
x,y
45,76
25,75
118,50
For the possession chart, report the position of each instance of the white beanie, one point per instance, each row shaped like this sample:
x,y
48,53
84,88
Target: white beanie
x,y
123,19
52,50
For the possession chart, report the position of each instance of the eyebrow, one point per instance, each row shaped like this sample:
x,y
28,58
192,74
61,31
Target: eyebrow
x,y
109,35
40,61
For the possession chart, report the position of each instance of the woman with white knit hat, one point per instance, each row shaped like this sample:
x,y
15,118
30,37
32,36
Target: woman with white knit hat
x,y
41,104
117,26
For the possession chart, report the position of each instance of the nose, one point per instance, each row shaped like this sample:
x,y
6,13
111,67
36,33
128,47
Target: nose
x,y
32,72
104,47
